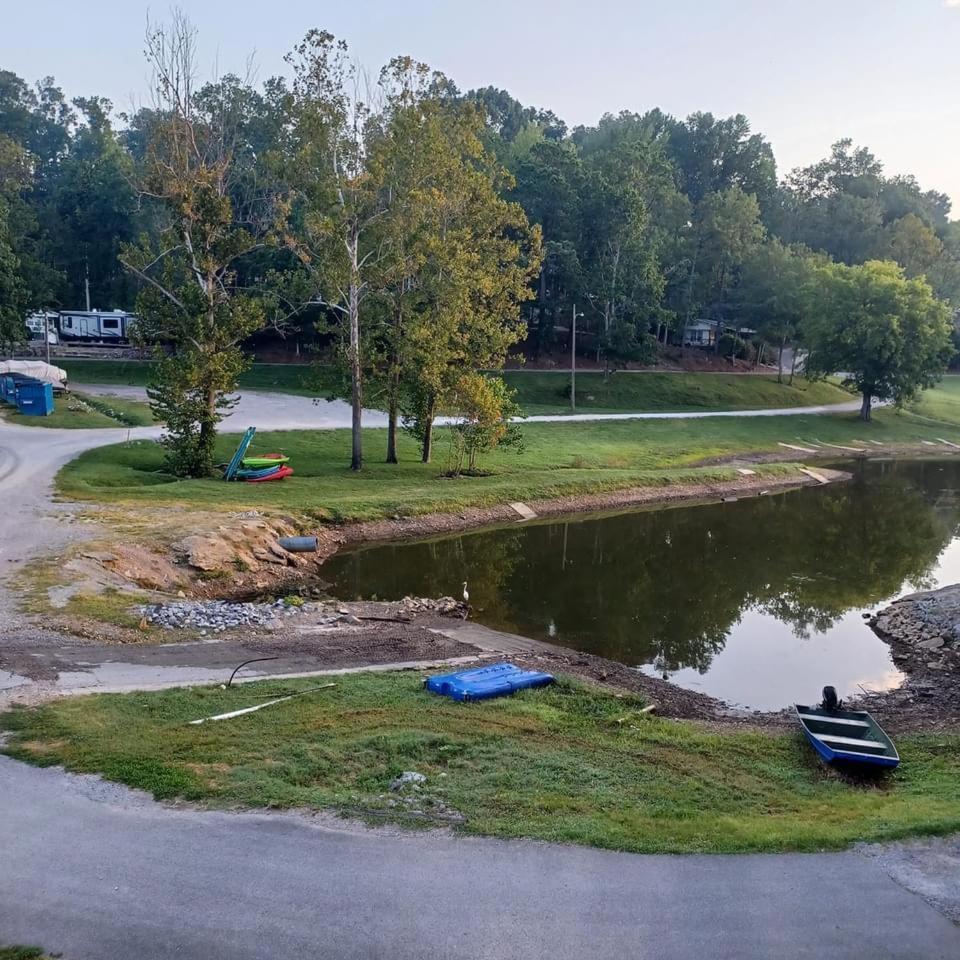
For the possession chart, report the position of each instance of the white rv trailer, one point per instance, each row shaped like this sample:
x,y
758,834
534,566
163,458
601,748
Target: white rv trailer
x,y
100,326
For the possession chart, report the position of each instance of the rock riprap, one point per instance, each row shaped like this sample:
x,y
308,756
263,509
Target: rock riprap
x,y
219,615
926,624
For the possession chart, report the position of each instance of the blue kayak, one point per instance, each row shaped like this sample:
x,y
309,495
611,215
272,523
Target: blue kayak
x,y
497,680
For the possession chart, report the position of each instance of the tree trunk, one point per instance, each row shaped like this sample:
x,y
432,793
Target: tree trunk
x,y
393,402
783,342
392,433
356,399
427,440
208,433
793,363
426,449
865,406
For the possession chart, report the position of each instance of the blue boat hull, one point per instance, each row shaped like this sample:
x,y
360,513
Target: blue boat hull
x,y
842,756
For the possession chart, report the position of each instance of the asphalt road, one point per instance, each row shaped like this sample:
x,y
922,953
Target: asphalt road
x,y
102,873
278,411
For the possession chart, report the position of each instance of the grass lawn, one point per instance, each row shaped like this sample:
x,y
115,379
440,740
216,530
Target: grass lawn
x,y
22,953
537,392
561,459
299,379
540,392
81,411
566,763
942,402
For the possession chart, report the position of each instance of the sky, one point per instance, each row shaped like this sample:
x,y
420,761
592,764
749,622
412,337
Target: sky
x,y
805,72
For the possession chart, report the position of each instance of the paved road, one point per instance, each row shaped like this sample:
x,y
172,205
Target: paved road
x,y
102,873
277,411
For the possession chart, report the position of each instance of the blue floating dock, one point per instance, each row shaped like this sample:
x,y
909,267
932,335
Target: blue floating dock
x,y
497,680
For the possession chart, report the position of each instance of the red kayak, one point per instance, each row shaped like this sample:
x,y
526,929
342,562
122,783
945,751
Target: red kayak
x,y
278,474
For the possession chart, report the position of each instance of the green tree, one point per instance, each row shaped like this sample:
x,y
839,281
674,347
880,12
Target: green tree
x,y
889,335
14,293
774,293
340,201
479,255
726,229
190,300
486,412
91,212
914,245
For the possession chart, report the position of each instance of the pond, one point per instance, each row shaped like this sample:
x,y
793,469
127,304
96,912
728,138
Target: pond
x,y
758,601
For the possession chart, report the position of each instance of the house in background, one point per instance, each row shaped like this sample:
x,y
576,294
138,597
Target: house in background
x,y
700,333
704,332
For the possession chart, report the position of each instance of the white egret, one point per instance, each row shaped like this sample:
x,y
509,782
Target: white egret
x,y
466,601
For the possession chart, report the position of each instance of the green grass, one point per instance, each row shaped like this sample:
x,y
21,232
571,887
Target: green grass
x,y
567,763
537,392
560,459
80,411
22,953
299,379
942,402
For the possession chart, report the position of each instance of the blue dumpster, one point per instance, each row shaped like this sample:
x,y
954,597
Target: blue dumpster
x,y
10,383
35,399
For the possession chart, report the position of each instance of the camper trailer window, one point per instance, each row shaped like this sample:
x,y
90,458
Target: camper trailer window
x,y
110,323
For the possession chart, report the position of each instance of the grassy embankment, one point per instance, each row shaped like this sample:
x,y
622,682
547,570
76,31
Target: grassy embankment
x,y
537,392
559,460
82,411
942,402
567,763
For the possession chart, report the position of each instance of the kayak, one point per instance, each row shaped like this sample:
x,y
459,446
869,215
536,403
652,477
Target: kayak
x,y
256,474
266,460
277,474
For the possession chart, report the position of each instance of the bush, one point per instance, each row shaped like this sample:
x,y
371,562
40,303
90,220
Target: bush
x,y
735,347
622,344
485,407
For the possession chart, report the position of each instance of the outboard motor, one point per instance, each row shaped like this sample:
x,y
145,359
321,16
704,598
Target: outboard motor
x,y
830,699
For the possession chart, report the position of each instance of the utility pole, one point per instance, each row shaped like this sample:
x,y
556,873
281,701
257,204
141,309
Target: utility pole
x,y
46,331
86,284
573,362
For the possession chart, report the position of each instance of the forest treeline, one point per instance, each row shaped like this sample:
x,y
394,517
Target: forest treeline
x,y
386,211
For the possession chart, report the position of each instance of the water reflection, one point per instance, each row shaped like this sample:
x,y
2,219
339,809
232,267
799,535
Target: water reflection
x,y
757,601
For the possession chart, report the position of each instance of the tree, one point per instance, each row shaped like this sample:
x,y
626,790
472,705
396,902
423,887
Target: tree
x,y
479,256
486,410
913,245
774,293
14,294
191,300
340,201
726,230
889,335
91,212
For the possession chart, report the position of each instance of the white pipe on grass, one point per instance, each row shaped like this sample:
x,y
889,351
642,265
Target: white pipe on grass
x,y
259,706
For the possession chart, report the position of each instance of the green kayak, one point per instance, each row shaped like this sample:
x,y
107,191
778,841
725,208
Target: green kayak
x,y
267,460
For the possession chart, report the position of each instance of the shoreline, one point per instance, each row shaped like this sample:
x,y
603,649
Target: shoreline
x,y
582,505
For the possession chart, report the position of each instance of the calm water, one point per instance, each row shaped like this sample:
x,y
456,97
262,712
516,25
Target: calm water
x,y
758,602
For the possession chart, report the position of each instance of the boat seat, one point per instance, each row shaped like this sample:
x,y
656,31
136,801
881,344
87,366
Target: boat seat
x,y
839,721
852,744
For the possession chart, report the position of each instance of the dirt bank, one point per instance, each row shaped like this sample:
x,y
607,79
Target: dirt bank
x,y
437,523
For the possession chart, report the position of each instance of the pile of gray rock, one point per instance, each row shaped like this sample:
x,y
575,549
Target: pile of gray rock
x,y
217,615
442,605
927,623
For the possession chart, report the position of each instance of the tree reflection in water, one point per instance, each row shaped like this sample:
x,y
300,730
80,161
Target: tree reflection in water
x,y
668,586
